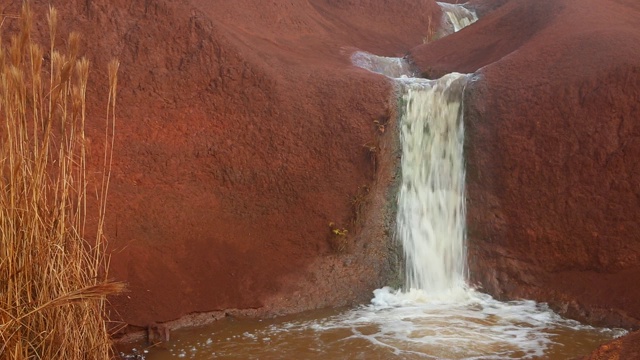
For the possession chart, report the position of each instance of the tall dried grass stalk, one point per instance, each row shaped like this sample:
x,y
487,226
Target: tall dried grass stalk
x,y
53,282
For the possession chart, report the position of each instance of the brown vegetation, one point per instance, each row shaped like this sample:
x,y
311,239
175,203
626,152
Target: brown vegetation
x,y
52,280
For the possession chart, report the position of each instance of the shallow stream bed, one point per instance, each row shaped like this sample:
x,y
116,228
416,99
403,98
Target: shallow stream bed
x,y
466,325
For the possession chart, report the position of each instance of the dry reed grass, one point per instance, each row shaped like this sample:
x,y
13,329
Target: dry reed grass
x,y
53,282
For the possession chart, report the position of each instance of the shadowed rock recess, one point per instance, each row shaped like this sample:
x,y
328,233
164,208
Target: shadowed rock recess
x,y
244,131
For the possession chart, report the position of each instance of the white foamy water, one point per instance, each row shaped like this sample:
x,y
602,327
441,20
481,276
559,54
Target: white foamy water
x,y
469,325
397,325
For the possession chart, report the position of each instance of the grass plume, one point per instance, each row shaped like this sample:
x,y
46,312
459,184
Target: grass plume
x,y
53,282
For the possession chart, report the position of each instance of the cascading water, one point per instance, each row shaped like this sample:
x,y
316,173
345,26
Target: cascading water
x,y
431,202
436,315
456,17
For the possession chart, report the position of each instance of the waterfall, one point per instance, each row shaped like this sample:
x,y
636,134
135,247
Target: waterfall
x,y
431,201
456,17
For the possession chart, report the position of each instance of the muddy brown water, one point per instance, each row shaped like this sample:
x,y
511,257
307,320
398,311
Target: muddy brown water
x,y
387,333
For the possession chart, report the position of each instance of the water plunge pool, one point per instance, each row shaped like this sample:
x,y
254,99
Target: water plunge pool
x,y
393,326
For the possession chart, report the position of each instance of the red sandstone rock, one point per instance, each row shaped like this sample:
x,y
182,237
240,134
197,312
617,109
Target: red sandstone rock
x,y
483,7
552,145
243,131
627,347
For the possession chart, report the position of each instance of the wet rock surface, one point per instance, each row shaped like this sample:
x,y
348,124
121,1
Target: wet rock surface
x,y
627,347
552,141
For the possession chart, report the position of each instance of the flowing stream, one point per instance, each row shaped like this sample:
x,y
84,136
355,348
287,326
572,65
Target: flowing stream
x,y
436,315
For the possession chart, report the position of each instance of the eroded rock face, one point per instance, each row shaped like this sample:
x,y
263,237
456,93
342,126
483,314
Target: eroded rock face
x,y
552,145
243,131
